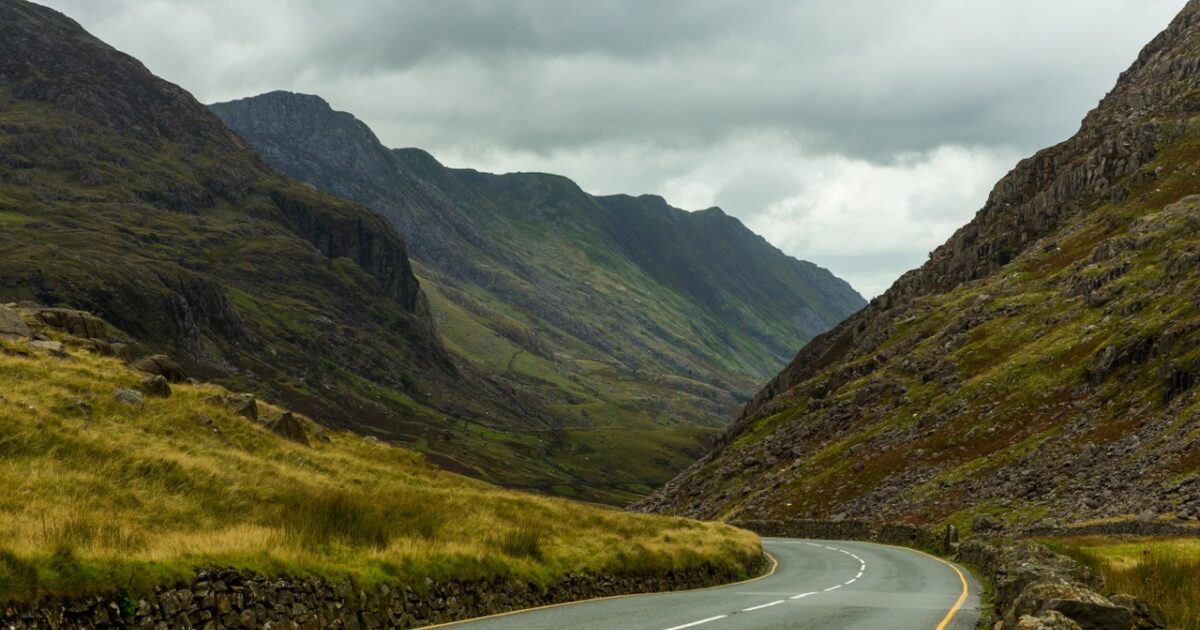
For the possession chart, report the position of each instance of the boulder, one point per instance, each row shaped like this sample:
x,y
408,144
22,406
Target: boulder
x,y
121,351
76,323
130,398
985,523
1052,620
55,348
243,405
105,348
155,385
12,325
288,427
1084,606
161,365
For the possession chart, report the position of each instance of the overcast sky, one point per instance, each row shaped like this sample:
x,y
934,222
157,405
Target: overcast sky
x,y
854,133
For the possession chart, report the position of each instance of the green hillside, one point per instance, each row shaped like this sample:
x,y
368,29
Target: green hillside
x,y
638,327
104,489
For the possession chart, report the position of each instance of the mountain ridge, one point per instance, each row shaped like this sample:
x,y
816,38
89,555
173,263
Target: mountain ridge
x,y
933,403
121,194
616,312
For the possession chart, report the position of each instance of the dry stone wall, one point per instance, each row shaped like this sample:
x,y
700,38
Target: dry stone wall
x,y
1037,589
224,598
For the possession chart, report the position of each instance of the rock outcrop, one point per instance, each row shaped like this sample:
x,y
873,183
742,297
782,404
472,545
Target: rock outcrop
x,y
160,365
12,325
288,427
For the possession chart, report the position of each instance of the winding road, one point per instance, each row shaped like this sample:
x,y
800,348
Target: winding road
x,y
816,584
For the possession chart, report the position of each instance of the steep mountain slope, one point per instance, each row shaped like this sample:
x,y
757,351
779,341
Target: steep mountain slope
x,y
120,194
1041,363
639,326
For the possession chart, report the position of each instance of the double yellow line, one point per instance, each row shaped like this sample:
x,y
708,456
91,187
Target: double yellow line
x,y
962,598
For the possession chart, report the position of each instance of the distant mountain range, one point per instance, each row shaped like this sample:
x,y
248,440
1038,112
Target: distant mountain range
x,y
1041,365
638,327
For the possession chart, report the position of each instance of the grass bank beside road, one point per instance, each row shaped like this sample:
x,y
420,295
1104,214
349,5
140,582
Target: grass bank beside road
x,y
97,495
1164,571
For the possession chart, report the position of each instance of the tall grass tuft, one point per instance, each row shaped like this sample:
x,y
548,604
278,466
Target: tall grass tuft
x,y
1166,578
523,542
1165,575
336,516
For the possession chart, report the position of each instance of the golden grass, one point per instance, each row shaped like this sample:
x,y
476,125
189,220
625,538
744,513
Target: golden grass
x,y
117,497
1163,571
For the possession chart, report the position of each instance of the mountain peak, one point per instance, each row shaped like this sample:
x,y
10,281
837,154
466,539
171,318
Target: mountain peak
x,y
302,100
47,57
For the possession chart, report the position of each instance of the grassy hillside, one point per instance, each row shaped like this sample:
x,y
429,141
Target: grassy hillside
x,y
635,328
122,195
96,494
1164,571
1042,364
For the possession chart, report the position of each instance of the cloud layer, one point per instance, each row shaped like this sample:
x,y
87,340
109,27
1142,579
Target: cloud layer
x,y
855,133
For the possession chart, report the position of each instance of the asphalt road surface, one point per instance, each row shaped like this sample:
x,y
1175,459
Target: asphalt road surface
x,y
816,584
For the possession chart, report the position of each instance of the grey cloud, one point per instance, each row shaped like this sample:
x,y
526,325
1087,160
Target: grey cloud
x,y
868,77
908,111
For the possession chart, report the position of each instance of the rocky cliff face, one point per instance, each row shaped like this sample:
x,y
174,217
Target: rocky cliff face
x,y
471,223
1040,363
122,195
617,313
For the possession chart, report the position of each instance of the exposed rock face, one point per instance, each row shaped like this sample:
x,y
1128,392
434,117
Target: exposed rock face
x,y
468,226
78,323
1044,356
12,325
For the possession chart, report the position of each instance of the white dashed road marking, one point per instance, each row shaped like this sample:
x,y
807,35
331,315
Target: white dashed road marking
x,y
862,566
761,606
